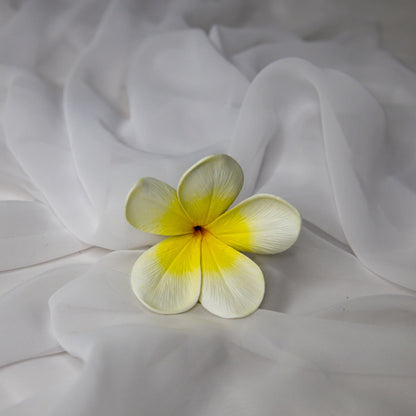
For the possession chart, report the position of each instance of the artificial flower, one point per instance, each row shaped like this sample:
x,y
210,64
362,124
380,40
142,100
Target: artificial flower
x,y
200,261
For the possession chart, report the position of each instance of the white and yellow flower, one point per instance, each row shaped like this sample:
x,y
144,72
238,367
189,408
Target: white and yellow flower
x,y
199,260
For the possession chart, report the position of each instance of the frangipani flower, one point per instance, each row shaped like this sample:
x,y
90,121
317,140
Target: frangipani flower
x,y
199,260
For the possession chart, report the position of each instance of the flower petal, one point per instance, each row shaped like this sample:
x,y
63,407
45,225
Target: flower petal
x,y
209,187
263,224
167,277
153,206
232,284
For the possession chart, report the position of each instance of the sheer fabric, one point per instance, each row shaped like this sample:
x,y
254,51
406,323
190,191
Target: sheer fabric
x,y
95,95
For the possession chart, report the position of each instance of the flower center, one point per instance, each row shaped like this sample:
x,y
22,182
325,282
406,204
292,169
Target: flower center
x,y
197,228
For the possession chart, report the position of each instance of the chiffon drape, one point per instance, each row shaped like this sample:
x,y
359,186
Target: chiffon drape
x,y
96,94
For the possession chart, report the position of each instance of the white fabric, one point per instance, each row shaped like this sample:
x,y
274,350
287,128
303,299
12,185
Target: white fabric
x,y
96,94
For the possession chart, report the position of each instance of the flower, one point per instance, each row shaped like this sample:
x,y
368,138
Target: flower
x,y
199,260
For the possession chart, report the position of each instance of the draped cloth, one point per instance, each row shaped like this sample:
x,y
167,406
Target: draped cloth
x,y
96,94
